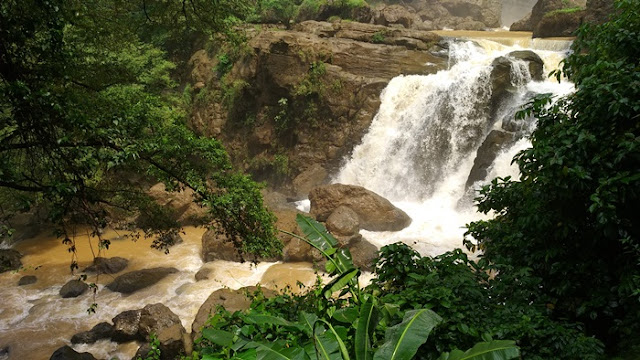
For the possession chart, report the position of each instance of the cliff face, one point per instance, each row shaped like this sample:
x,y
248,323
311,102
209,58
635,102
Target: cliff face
x,y
297,101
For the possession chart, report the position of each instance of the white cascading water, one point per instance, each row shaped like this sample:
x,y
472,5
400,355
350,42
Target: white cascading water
x,y
418,153
421,145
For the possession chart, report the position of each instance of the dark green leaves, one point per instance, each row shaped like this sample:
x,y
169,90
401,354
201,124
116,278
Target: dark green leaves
x,y
403,340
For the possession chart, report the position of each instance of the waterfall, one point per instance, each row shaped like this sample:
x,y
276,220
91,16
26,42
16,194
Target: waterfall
x,y
420,148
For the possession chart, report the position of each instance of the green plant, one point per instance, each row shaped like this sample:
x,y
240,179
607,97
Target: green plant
x,y
224,65
570,10
570,219
154,351
379,37
342,329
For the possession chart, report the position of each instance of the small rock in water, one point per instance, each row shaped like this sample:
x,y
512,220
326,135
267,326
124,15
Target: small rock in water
x,y
203,274
26,280
107,265
73,288
67,353
103,330
140,279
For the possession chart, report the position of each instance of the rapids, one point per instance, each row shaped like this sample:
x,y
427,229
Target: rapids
x,y
418,153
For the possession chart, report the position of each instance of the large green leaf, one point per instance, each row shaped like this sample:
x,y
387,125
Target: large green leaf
x,y
307,322
340,282
327,347
276,351
403,340
317,235
218,337
347,315
366,325
493,350
341,261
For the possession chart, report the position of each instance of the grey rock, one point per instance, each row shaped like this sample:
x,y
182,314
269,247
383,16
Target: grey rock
x,y
126,326
27,280
103,330
73,288
107,265
140,279
67,353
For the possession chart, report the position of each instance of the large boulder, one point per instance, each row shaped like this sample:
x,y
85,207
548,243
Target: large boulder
x,y
374,212
111,265
9,260
160,320
73,288
140,279
231,300
343,221
502,74
523,24
363,254
126,326
103,330
67,353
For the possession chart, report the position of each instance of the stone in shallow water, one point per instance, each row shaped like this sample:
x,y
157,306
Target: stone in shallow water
x,y
108,265
73,288
103,330
133,281
27,280
67,353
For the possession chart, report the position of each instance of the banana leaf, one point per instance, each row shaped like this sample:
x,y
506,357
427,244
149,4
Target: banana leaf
x,y
364,330
492,350
403,340
339,282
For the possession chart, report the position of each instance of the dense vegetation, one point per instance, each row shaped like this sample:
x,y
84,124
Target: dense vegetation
x,y
560,265
89,115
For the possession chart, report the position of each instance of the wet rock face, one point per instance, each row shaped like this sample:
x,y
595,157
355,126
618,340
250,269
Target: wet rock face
x,y
374,212
9,260
140,279
358,60
67,353
73,288
495,141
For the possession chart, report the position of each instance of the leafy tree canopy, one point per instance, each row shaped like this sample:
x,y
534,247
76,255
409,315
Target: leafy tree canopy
x,y
88,114
572,218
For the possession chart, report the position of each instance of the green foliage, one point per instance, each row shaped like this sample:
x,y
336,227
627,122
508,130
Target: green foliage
x,y
88,109
571,219
569,10
474,306
378,37
154,351
336,327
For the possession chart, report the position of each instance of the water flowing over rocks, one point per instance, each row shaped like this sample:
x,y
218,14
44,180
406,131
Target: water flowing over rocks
x,y
73,288
496,141
374,212
140,279
358,60
67,353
